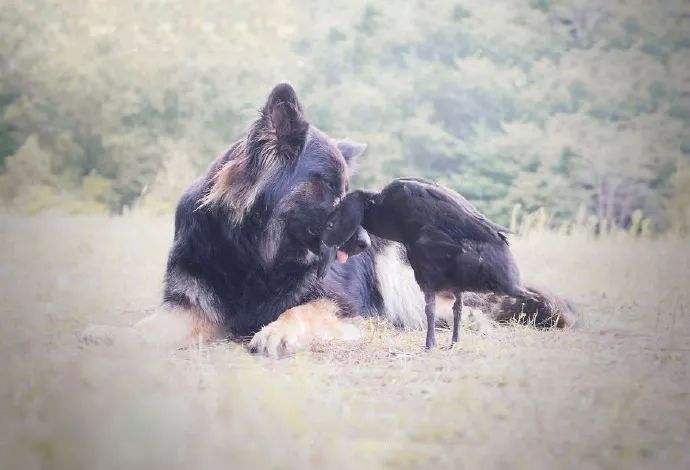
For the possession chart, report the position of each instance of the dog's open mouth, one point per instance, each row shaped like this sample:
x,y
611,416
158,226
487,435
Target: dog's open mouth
x,y
341,255
356,244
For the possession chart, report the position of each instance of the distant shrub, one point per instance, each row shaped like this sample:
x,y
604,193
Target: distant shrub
x,y
29,185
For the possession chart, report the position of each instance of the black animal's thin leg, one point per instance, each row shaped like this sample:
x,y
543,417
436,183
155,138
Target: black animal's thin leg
x,y
430,310
457,315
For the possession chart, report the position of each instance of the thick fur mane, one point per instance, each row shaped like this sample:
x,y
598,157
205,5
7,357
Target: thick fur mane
x,y
230,187
274,142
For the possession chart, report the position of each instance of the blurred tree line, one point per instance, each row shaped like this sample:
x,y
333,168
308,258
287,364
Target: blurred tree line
x,y
580,107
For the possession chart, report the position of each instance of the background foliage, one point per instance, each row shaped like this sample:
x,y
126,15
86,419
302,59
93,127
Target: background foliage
x,y
579,107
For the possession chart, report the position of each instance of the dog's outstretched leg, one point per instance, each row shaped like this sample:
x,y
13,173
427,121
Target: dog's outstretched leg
x,y
173,327
297,328
178,327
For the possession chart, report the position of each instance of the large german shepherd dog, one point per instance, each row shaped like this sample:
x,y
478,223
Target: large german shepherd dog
x,y
246,258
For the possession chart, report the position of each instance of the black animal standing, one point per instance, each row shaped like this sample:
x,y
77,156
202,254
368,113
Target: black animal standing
x,y
450,245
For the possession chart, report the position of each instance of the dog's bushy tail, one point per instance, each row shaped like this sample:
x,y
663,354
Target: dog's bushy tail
x,y
537,307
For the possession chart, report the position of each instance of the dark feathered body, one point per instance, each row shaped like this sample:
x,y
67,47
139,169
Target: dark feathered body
x,y
449,244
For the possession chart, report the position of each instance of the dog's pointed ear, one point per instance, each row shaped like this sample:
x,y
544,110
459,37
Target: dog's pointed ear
x,y
350,149
284,114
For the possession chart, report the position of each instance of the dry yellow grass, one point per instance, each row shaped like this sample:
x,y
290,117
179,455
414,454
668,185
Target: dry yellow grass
x,y
613,394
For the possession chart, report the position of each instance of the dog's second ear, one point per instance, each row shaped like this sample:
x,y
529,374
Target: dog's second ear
x,y
284,114
350,149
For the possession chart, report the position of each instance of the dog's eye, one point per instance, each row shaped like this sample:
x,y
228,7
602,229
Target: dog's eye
x,y
329,225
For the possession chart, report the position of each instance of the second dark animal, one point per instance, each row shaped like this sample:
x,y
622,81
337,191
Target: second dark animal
x,y
450,245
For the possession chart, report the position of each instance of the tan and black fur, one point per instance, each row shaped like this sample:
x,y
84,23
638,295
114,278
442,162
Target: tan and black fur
x,y
246,258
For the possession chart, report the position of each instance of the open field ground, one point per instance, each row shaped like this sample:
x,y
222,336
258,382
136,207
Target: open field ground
x,y
614,393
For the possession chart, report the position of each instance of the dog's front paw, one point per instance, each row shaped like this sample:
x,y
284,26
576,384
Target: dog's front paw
x,y
299,327
277,339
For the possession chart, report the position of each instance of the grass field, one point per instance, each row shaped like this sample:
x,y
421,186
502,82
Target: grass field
x,y
614,393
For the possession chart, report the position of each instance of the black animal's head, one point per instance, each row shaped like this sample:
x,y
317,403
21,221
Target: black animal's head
x,y
287,175
343,223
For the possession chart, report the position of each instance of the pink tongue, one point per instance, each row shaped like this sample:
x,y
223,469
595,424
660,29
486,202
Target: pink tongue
x,y
341,256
